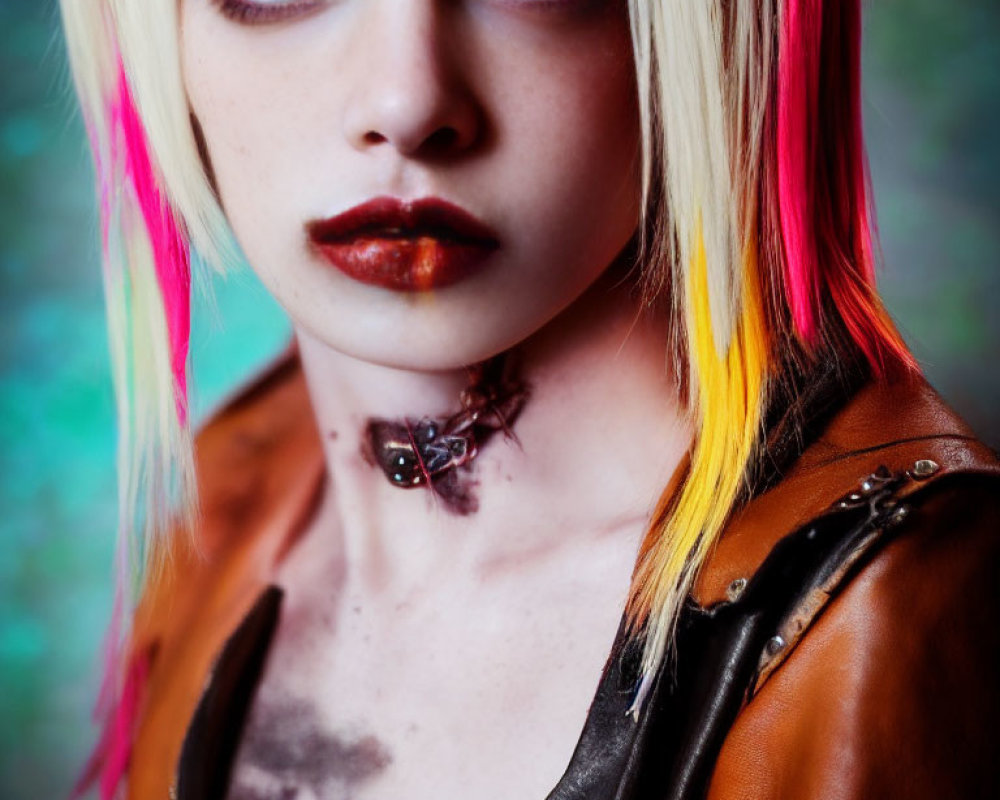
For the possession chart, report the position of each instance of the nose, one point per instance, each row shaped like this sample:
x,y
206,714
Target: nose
x,y
410,94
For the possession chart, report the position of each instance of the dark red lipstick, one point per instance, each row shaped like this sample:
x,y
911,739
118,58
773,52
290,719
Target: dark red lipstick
x,y
407,246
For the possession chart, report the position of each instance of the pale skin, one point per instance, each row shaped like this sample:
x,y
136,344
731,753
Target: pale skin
x,y
423,654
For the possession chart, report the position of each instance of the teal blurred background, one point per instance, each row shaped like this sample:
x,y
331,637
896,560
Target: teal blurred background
x,y
933,119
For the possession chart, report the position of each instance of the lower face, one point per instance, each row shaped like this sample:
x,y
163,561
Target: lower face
x,y
522,113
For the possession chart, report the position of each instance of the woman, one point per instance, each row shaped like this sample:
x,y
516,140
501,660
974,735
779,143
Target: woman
x,y
586,341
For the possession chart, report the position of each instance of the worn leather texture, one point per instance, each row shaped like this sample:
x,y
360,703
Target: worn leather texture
x,y
841,641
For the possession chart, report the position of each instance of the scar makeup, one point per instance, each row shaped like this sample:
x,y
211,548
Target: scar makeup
x,y
438,453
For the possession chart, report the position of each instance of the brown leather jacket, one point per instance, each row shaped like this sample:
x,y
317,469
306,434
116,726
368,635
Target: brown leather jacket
x,y
858,658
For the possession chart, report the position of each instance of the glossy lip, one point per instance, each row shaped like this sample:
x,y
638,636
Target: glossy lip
x,y
405,246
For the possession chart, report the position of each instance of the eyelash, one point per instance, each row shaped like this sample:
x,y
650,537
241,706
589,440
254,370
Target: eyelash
x,y
256,11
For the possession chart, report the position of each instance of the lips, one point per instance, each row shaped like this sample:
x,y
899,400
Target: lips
x,y
405,246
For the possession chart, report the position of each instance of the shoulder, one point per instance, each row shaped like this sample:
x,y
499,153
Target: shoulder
x,y
891,690
891,426
244,453
252,451
258,459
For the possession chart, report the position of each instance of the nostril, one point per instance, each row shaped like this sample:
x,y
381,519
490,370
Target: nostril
x,y
442,140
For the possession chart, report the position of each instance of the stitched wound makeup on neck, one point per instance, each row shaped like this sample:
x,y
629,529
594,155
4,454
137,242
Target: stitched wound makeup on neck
x,y
438,453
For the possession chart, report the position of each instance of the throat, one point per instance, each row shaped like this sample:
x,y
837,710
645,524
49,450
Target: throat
x,y
437,454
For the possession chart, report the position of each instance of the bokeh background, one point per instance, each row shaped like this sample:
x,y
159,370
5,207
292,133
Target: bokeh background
x,y
933,116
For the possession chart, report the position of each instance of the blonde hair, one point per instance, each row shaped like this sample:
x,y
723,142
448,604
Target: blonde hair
x,y
156,202
756,215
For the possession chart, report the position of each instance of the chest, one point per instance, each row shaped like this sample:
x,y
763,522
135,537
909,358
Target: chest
x,y
469,695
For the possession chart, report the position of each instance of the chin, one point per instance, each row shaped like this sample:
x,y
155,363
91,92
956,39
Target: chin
x,y
420,350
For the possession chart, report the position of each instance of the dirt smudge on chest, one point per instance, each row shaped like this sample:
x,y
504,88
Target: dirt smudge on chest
x,y
287,752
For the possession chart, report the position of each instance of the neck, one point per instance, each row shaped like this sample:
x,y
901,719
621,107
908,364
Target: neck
x,y
595,443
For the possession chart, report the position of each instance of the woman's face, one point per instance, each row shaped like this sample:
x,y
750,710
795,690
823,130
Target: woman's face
x,y
522,113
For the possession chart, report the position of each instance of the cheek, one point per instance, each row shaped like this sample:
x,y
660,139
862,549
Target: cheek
x,y
571,98
571,124
251,108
